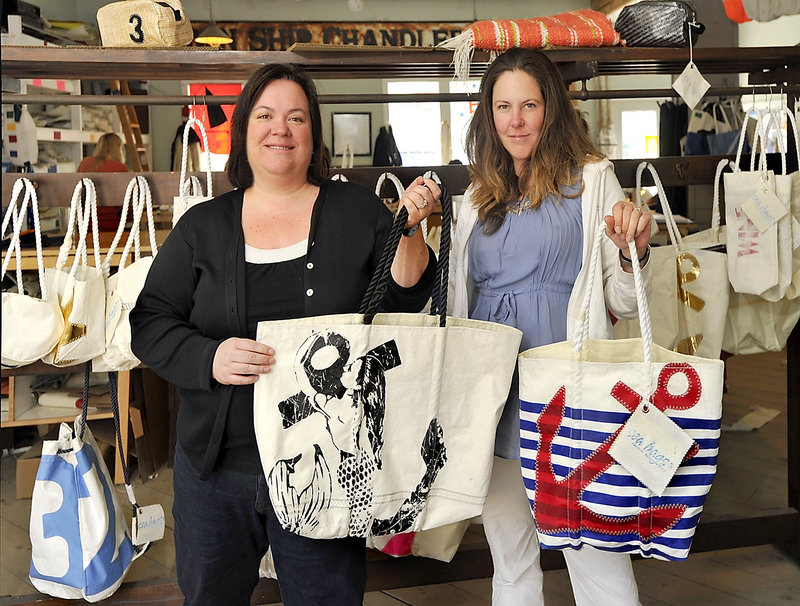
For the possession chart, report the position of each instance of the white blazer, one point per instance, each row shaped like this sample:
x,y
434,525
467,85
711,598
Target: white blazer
x,y
613,288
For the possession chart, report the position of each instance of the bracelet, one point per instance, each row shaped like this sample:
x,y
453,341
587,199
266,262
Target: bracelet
x,y
410,231
642,261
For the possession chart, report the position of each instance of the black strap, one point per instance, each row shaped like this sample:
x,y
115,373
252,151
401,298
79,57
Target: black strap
x,y
380,279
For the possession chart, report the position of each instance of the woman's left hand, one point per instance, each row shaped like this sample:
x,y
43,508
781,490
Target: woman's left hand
x,y
419,199
627,222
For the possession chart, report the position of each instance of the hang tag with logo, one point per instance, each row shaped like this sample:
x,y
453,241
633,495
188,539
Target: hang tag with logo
x,y
148,524
764,208
691,85
651,446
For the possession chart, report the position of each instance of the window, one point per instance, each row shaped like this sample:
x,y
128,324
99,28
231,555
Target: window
x,y
461,113
640,134
416,126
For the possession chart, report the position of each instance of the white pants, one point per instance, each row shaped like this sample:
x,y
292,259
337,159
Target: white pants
x,y
599,578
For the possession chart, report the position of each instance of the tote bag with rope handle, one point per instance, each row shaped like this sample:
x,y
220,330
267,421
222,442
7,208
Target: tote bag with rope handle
x,y
32,325
190,192
361,428
577,400
122,289
79,291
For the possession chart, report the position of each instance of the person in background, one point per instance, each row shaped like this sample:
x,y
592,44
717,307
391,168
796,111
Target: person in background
x,y
539,192
287,242
108,157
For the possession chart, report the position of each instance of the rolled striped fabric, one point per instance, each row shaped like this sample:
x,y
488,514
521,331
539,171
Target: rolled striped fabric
x,y
583,27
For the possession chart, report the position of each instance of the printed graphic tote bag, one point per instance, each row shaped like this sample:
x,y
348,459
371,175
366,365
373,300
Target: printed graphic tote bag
x,y
588,405
375,424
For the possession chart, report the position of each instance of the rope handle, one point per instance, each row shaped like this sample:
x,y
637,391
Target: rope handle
x,y
715,217
184,185
669,219
380,278
15,216
138,195
581,332
83,214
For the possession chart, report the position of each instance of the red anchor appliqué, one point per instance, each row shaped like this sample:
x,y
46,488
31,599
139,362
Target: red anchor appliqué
x,y
557,507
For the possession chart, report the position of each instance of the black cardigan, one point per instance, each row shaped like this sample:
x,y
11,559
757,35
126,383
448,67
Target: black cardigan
x,y
194,296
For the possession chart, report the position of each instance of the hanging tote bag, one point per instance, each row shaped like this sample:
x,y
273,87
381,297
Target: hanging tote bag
x,y
31,325
80,545
144,23
690,283
79,292
122,289
581,399
189,190
374,424
752,237
793,291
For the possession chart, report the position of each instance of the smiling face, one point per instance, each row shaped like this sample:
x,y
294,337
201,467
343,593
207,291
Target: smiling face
x,y
279,134
518,111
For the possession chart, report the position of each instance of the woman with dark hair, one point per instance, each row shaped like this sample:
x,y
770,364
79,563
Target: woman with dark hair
x,y
539,192
286,243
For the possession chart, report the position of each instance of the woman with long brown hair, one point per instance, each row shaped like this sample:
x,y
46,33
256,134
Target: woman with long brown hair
x,y
539,192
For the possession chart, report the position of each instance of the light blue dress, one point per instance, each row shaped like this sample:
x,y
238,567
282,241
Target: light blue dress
x,y
524,274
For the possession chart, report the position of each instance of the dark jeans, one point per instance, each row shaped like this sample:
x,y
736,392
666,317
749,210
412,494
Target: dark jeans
x,y
224,526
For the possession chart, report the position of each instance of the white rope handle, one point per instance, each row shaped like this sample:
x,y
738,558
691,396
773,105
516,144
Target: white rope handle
x,y
143,205
762,128
669,218
790,121
83,215
126,203
393,178
581,332
15,217
183,185
715,218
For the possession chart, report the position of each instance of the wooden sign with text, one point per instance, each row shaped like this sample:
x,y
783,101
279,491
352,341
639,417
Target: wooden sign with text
x,y
280,35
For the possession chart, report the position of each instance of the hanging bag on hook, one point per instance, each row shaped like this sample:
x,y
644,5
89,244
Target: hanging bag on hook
x,y
122,289
658,23
31,326
80,290
190,191
144,23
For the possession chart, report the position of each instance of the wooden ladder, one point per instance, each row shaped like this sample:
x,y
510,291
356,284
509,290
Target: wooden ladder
x,y
137,151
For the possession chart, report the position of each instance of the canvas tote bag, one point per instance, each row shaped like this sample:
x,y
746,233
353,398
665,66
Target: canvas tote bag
x,y
122,289
690,283
579,399
189,190
375,424
754,324
80,291
80,545
752,240
31,325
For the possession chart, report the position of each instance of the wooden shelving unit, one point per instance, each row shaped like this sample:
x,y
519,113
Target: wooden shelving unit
x,y
762,65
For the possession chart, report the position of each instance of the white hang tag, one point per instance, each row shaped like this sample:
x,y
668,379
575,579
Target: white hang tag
x,y
148,524
651,446
764,208
691,85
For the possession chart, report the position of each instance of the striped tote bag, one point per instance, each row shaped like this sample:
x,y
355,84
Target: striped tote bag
x,y
587,402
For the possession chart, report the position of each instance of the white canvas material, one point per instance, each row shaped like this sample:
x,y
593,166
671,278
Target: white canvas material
x,y
122,289
361,428
793,289
80,291
144,23
32,325
575,397
690,283
361,424
190,191
80,544
752,253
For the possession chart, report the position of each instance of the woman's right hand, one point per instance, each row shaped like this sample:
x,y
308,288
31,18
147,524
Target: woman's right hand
x,y
241,361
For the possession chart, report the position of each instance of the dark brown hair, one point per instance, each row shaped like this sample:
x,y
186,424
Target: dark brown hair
x,y
563,147
240,174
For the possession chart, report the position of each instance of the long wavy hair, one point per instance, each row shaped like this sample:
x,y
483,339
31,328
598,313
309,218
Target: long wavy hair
x,y
240,173
564,145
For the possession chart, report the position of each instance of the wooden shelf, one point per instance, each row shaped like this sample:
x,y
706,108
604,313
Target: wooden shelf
x,y
101,63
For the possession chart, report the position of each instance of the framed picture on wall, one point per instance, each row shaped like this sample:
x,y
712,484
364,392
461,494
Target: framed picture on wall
x,y
353,130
